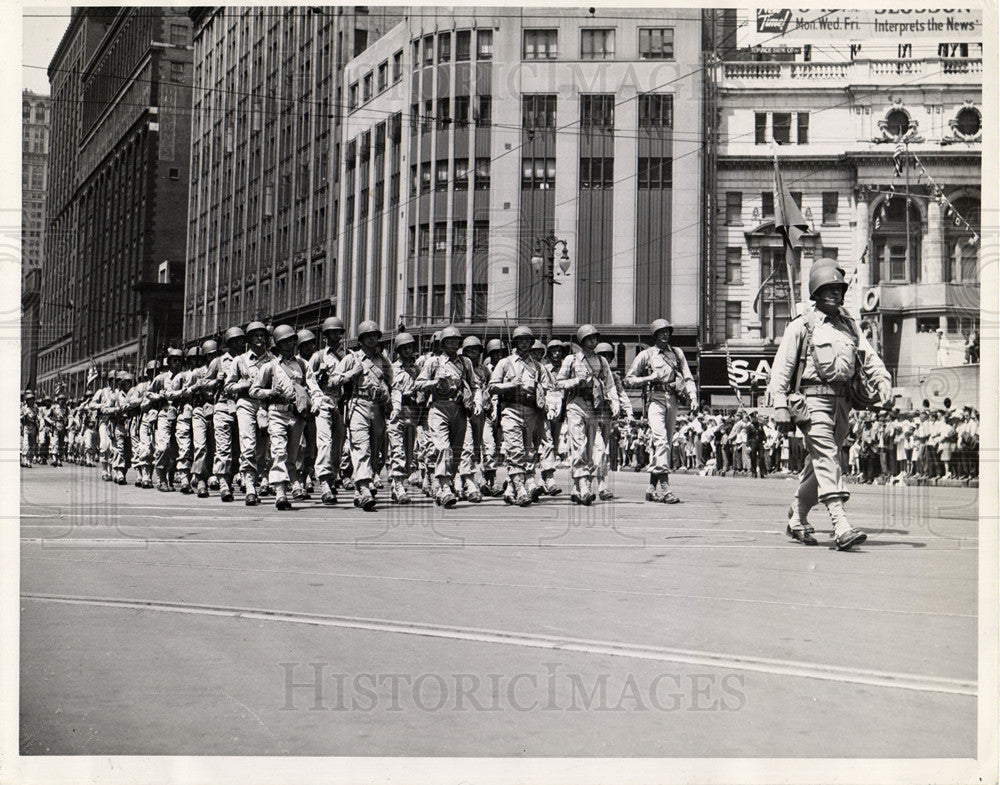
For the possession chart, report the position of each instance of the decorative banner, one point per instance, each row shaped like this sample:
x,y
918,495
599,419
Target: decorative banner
x,y
839,27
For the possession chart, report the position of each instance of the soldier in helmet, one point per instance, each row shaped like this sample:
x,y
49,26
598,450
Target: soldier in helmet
x,y
812,370
29,429
183,384
96,406
453,386
327,408
518,381
494,352
58,418
370,372
251,419
163,395
664,368
281,386
202,412
555,353
424,447
141,425
609,435
305,349
116,412
590,390
402,425
224,424
477,449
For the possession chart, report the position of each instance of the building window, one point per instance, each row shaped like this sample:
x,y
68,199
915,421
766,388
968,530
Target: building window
x,y
443,113
733,328
655,174
538,111
444,48
830,199
897,123
352,97
781,127
540,44
425,240
441,176
458,302
734,208
734,266
479,300
774,293
175,174
463,40
461,182
481,236
437,302
428,50
317,281
896,242
484,111
538,174
383,76
177,70
767,204
461,111
760,127
458,240
482,174
440,237
597,44
366,92
425,177
656,110
656,43
802,129
597,173
961,247
484,44
967,123
178,35
597,111
397,66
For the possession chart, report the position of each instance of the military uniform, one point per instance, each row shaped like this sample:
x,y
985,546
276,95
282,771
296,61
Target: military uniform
x,y
329,419
224,425
29,432
251,418
402,425
162,394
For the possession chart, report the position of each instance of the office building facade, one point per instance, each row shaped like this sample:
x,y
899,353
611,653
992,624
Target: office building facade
x,y
35,110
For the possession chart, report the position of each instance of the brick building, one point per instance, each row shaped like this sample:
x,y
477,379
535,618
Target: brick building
x,y
35,110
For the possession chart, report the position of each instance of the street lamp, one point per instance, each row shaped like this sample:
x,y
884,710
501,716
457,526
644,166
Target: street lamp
x,y
543,257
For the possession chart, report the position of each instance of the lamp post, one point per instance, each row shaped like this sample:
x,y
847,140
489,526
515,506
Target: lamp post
x,y
543,262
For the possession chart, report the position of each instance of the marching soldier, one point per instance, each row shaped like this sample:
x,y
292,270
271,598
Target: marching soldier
x,y
590,391
163,396
454,392
494,352
251,419
402,425
58,417
517,381
29,429
608,430
370,372
183,385
328,409
281,386
813,367
96,405
305,349
555,353
665,369
477,448
116,412
224,424
202,414
142,423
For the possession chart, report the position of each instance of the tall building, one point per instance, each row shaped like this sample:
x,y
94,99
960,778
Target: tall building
x,y
877,118
113,279
475,136
266,122
35,111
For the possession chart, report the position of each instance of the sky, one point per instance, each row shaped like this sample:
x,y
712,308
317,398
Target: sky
x,y
43,27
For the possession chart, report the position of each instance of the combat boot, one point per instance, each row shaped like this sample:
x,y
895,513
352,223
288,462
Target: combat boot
x,y
161,482
185,484
213,483
281,496
348,483
798,528
472,492
603,492
653,491
535,490
509,495
666,495
445,497
299,492
521,496
363,497
250,499
225,492
845,535
202,489
549,479
486,487
399,493
329,495
585,492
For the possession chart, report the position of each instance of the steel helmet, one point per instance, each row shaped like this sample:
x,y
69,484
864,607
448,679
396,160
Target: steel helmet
x,y
472,341
494,345
124,376
586,331
450,332
234,333
824,275
537,346
209,347
436,338
305,336
555,343
403,339
194,351
282,333
151,365
522,332
174,353
368,327
29,396
604,348
332,323
255,326
660,324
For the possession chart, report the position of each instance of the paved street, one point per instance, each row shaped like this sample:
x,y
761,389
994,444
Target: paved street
x,y
158,623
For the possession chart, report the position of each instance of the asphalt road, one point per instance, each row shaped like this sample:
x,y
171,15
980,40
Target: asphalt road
x,y
162,624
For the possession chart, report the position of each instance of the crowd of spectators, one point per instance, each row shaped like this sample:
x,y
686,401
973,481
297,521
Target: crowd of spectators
x,y
920,445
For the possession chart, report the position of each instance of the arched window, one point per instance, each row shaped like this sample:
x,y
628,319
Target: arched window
x,y
896,259
961,263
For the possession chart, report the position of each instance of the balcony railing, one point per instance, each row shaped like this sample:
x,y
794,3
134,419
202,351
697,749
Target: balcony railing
x,y
767,73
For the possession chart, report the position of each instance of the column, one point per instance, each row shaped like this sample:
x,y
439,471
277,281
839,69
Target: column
x,y
932,246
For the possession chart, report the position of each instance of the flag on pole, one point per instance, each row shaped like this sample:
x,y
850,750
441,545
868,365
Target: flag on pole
x,y
788,219
731,373
898,157
91,374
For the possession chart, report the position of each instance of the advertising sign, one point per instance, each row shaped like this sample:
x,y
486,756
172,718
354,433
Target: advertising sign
x,y
747,368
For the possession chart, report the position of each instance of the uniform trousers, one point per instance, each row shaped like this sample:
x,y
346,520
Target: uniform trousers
x,y
253,445
523,427
225,427
586,441
143,459
402,432
366,423
549,457
120,453
446,425
474,446
201,440
662,414
164,446
182,435
330,434
284,427
821,478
